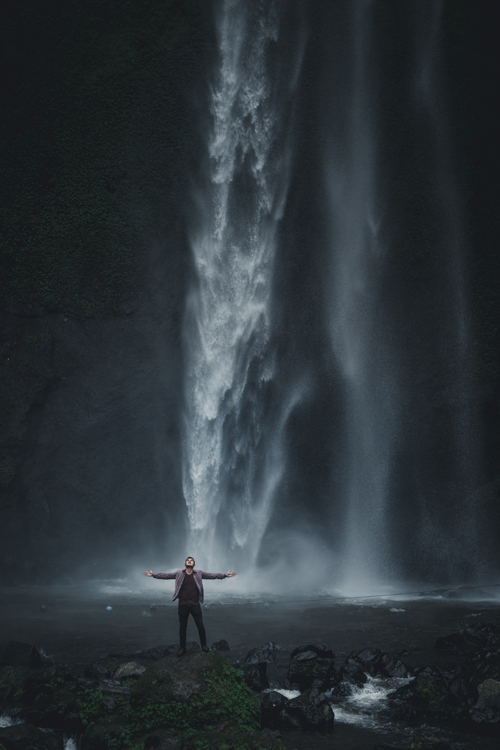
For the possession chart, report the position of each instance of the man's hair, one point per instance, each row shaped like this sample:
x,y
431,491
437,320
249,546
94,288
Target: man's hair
x,y
189,557
151,741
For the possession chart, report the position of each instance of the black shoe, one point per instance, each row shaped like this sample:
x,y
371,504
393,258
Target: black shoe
x,y
181,651
205,649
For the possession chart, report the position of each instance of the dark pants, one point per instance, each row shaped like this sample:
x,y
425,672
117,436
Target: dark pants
x,y
195,611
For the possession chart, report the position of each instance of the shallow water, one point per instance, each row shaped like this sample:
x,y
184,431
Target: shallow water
x,y
72,624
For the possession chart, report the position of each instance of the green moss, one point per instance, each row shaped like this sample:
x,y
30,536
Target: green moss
x,y
227,699
426,689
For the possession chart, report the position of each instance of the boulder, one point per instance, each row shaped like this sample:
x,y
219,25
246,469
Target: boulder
x,y
256,676
324,652
129,669
483,665
160,652
263,654
172,678
271,705
377,663
456,642
308,670
486,711
432,695
96,671
479,636
17,654
352,674
27,737
311,710
98,734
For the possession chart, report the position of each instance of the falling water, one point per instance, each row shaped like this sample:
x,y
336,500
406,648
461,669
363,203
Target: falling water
x,y
370,333
232,459
359,330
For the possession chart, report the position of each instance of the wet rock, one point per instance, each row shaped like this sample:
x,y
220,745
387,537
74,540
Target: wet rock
x,y
263,654
320,649
377,663
479,636
352,674
96,671
160,652
174,679
311,710
308,670
129,669
230,737
481,666
456,642
220,646
256,676
27,737
271,705
486,710
18,654
255,665
99,734
434,696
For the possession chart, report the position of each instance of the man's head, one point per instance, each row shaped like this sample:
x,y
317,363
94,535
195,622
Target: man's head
x,y
189,562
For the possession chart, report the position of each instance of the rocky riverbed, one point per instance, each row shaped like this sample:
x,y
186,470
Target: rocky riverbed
x,y
270,696
386,672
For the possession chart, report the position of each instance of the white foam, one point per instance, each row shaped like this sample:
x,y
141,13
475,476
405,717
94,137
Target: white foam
x,y
289,693
365,704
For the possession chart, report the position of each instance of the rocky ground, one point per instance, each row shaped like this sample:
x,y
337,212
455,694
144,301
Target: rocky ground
x,y
268,699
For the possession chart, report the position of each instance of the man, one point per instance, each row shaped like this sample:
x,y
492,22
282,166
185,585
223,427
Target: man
x,y
189,591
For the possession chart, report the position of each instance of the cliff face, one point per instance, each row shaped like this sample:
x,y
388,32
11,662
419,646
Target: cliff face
x,y
101,136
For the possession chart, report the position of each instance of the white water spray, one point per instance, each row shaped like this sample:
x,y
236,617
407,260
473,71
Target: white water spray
x,y
232,462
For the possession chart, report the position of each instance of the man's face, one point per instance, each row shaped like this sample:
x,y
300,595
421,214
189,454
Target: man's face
x,y
190,562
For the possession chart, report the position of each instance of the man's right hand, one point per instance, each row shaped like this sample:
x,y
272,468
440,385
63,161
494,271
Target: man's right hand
x,y
148,573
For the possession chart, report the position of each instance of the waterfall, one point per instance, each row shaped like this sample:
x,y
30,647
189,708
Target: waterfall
x,y
360,332
388,126
232,454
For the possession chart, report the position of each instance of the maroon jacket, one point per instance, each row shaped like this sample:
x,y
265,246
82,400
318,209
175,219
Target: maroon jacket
x,y
179,576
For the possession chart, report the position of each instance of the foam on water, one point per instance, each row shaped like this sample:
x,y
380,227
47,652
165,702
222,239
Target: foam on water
x,y
364,706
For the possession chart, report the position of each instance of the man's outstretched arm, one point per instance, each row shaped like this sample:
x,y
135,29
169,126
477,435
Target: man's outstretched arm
x,y
167,576
212,576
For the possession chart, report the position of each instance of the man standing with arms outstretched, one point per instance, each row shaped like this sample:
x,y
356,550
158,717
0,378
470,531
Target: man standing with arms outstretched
x,y
189,591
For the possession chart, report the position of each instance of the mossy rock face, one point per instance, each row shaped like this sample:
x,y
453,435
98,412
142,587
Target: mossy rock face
x,y
27,737
174,679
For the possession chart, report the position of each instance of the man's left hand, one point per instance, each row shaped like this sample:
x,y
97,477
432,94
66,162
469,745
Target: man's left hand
x,y
230,574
